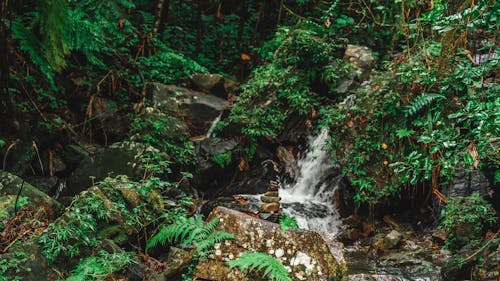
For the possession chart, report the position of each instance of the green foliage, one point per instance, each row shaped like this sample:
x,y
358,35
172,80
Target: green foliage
x,y
466,219
99,266
53,24
190,231
109,202
448,107
165,132
271,268
287,222
169,67
422,101
222,159
11,266
304,60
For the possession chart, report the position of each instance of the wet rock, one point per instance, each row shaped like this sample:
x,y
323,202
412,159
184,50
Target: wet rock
x,y
467,181
269,207
392,239
295,129
198,109
73,154
210,83
308,254
47,185
248,205
212,175
271,193
270,199
121,158
255,180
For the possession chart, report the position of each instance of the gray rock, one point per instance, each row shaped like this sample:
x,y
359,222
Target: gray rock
x,y
199,109
11,185
308,254
361,58
210,83
120,158
468,181
392,239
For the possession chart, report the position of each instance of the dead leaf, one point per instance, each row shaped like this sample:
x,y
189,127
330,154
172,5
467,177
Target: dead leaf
x,y
245,57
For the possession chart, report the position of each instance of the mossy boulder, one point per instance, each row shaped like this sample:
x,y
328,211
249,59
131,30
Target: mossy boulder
x,y
307,255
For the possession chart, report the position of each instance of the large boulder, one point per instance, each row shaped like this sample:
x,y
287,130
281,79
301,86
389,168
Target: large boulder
x,y
307,255
120,158
198,109
12,185
467,181
362,62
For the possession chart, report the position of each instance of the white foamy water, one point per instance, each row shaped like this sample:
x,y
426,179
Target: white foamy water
x,y
212,127
310,197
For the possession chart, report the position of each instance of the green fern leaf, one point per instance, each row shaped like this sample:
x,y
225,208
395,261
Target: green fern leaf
x,y
273,269
424,100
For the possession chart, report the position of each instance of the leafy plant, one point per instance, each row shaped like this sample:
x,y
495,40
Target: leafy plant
x,y
99,266
466,219
288,222
270,267
425,99
222,159
190,231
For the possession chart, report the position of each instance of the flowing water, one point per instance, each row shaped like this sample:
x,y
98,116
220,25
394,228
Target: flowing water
x,y
212,127
310,197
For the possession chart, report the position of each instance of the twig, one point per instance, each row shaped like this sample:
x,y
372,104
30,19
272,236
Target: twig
x,y
467,259
15,240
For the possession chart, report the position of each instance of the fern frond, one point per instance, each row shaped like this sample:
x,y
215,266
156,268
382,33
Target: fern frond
x,y
30,44
417,104
190,231
273,269
203,246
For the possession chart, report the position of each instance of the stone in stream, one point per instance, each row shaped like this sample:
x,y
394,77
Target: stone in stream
x,y
271,193
270,199
308,255
392,239
270,207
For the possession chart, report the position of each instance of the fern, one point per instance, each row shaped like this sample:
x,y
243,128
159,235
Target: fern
x,y
190,231
425,99
53,25
288,222
98,267
271,267
30,44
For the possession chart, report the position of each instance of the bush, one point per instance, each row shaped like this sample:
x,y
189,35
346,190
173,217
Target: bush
x,y
466,220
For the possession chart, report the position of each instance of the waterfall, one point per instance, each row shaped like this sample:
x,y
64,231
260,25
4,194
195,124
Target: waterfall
x,y
212,127
309,198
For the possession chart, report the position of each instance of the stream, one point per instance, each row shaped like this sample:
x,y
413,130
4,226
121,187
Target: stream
x,y
310,199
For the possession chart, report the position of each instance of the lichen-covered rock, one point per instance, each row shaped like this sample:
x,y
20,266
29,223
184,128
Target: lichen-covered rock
x,y
11,185
307,255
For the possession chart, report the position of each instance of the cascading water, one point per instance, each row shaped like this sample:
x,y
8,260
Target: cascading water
x,y
212,127
310,197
